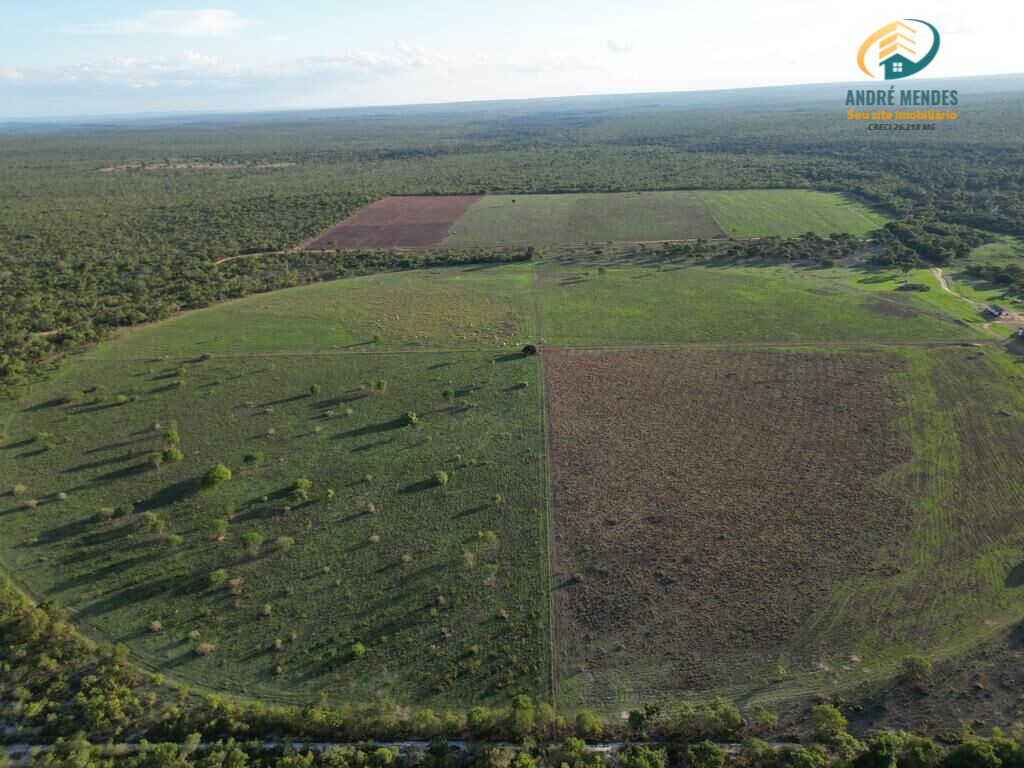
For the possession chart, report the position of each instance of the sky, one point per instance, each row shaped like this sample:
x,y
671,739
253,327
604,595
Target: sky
x,y
106,57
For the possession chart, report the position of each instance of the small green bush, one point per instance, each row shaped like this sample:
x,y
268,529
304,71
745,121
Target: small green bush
x,y
440,478
216,475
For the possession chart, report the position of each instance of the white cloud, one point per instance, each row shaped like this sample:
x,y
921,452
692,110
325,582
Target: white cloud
x,y
620,46
205,22
14,75
404,58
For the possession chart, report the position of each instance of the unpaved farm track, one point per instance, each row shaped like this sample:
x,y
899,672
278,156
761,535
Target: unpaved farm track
x,y
1013,319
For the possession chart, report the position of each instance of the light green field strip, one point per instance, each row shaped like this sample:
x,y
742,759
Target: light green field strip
x,y
788,212
680,304
450,308
578,218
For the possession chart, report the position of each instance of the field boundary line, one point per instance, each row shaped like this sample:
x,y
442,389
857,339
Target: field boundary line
x,y
549,502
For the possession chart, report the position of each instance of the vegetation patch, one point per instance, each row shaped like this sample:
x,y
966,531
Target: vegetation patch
x,y
578,218
304,534
788,212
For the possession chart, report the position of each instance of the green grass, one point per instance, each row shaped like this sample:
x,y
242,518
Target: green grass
x,y
464,620
685,303
577,218
1006,250
439,309
438,628
788,212
955,578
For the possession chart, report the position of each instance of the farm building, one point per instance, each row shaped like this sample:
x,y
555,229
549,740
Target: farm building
x,y
995,310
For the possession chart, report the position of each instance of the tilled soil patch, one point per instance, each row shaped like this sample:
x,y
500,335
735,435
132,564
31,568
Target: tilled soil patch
x,y
396,222
705,504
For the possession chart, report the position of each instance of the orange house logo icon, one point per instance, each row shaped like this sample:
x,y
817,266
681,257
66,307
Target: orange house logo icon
x,y
900,48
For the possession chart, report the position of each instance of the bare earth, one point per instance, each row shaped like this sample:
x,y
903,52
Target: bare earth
x,y
704,502
396,222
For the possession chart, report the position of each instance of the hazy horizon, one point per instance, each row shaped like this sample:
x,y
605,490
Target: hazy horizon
x,y
110,57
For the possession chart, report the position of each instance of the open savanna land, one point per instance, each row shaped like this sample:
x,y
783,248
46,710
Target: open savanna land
x,y
764,523
383,532
720,508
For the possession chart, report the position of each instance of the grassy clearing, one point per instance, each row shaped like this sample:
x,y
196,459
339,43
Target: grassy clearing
x,y
391,583
1006,250
685,303
788,212
577,218
475,307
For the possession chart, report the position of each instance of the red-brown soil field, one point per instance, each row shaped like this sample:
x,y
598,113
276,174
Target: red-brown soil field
x,y
704,503
396,222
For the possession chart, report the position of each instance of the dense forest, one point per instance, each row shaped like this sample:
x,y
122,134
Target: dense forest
x,y
109,225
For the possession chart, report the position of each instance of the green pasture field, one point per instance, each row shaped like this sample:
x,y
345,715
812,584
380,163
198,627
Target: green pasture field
x,y
445,586
577,218
453,307
657,216
449,602
788,212
681,303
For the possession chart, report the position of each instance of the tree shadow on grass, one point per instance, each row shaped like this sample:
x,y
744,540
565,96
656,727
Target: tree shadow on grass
x,y
172,493
14,446
99,463
168,586
373,429
511,357
120,474
469,511
52,403
1015,578
418,487
98,574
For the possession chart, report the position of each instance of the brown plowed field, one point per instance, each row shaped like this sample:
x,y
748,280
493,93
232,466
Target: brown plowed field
x,y
396,222
704,503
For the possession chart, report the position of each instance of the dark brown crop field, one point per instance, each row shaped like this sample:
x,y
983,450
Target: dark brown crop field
x,y
396,222
705,503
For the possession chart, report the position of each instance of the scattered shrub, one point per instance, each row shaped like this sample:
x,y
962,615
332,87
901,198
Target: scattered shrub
x,y
358,650
253,540
173,454
314,390
916,669
219,577
205,649
284,543
216,475
156,626
530,349
253,457
19,490
440,478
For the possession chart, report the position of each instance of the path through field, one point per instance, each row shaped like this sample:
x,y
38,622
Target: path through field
x,y
1012,319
